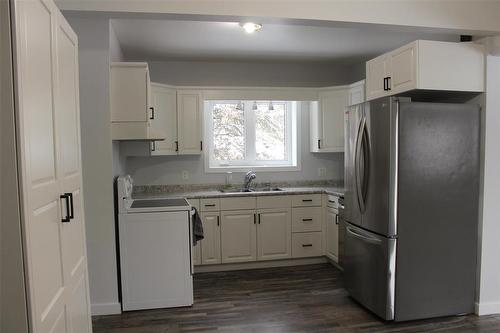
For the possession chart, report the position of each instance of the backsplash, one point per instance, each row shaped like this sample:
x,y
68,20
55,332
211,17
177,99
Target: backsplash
x,y
159,189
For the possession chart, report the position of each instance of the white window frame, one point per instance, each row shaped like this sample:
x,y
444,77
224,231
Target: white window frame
x,y
293,135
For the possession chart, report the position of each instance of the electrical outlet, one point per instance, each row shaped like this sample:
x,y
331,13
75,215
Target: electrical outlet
x,y
322,172
185,174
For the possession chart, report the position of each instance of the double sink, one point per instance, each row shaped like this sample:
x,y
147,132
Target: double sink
x,y
257,189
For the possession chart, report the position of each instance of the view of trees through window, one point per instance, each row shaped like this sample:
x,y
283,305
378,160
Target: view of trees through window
x,y
270,132
250,131
228,132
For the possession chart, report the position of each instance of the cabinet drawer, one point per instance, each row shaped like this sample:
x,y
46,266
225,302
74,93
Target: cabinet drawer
x,y
332,201
237,203
210,205
306,219
306,200
278,201
306,244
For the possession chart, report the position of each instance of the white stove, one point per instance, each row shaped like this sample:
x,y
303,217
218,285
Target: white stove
x,y
155,238
127,204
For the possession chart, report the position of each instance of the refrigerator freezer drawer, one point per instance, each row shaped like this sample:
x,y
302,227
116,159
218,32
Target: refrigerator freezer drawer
x,y
369,268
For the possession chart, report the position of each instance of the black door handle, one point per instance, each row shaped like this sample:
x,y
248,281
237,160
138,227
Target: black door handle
x,y
176,145
67,218
388,83
385,84
72,211
152,113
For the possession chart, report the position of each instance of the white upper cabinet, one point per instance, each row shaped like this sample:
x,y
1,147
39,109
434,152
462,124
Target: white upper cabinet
x,y
426,65
327,120
177,115
164,104
189,121
130,101
356,93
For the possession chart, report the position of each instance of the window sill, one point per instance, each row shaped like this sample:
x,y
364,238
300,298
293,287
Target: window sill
x,y
253,167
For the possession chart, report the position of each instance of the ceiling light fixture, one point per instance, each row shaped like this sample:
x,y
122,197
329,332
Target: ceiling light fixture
x,y
251,27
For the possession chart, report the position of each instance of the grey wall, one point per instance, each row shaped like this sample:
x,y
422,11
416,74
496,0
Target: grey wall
x,y
168,169
13,314
95,120
287,74
161,170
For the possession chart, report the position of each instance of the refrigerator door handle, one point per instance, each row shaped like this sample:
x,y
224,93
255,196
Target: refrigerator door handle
x,y
365,144
357,166
363,237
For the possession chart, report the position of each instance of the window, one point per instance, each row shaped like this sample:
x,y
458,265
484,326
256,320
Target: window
x,y
256,134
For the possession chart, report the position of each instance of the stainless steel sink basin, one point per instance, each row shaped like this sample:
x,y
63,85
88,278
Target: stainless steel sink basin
x,y
235,190
267,189
257,189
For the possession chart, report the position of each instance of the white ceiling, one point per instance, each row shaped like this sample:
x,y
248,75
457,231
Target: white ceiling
x,y
159,40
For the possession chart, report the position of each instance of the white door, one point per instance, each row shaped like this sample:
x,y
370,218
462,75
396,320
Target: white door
x,y
49,148
332,234
376,71
238,236
210,245
331,118
164,104
403,68
189,122
274,234
68,125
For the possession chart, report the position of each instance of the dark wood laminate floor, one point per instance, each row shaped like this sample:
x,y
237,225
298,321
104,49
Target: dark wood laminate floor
x,y
290,299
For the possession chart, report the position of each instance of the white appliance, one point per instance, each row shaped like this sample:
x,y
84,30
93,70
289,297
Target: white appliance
x,y
155,250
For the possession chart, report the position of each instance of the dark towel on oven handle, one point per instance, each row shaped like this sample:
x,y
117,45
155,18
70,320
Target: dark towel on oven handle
x,y
197,227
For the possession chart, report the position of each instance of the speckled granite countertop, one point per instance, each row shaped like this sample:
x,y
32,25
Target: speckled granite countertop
x,y
207,193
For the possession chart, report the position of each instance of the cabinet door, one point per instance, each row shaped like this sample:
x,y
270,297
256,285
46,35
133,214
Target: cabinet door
x,y
164,104
189,122
274,235
238,236
210,245
376,70
356,94
331,120
68,124
403,69
129,92
197,254
332,235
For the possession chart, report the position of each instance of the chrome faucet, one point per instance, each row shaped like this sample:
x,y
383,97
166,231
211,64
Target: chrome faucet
x,y
248,179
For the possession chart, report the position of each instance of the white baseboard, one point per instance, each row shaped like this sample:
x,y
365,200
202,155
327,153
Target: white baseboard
x,y
105,309
259,264
483,309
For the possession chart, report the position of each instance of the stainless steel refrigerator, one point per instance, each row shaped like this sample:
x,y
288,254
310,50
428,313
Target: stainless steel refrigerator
x,y
411,207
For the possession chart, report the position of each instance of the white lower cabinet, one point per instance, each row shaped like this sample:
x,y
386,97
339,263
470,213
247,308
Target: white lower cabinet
x,y
274,234
238,236
246,229
332,234
210,245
